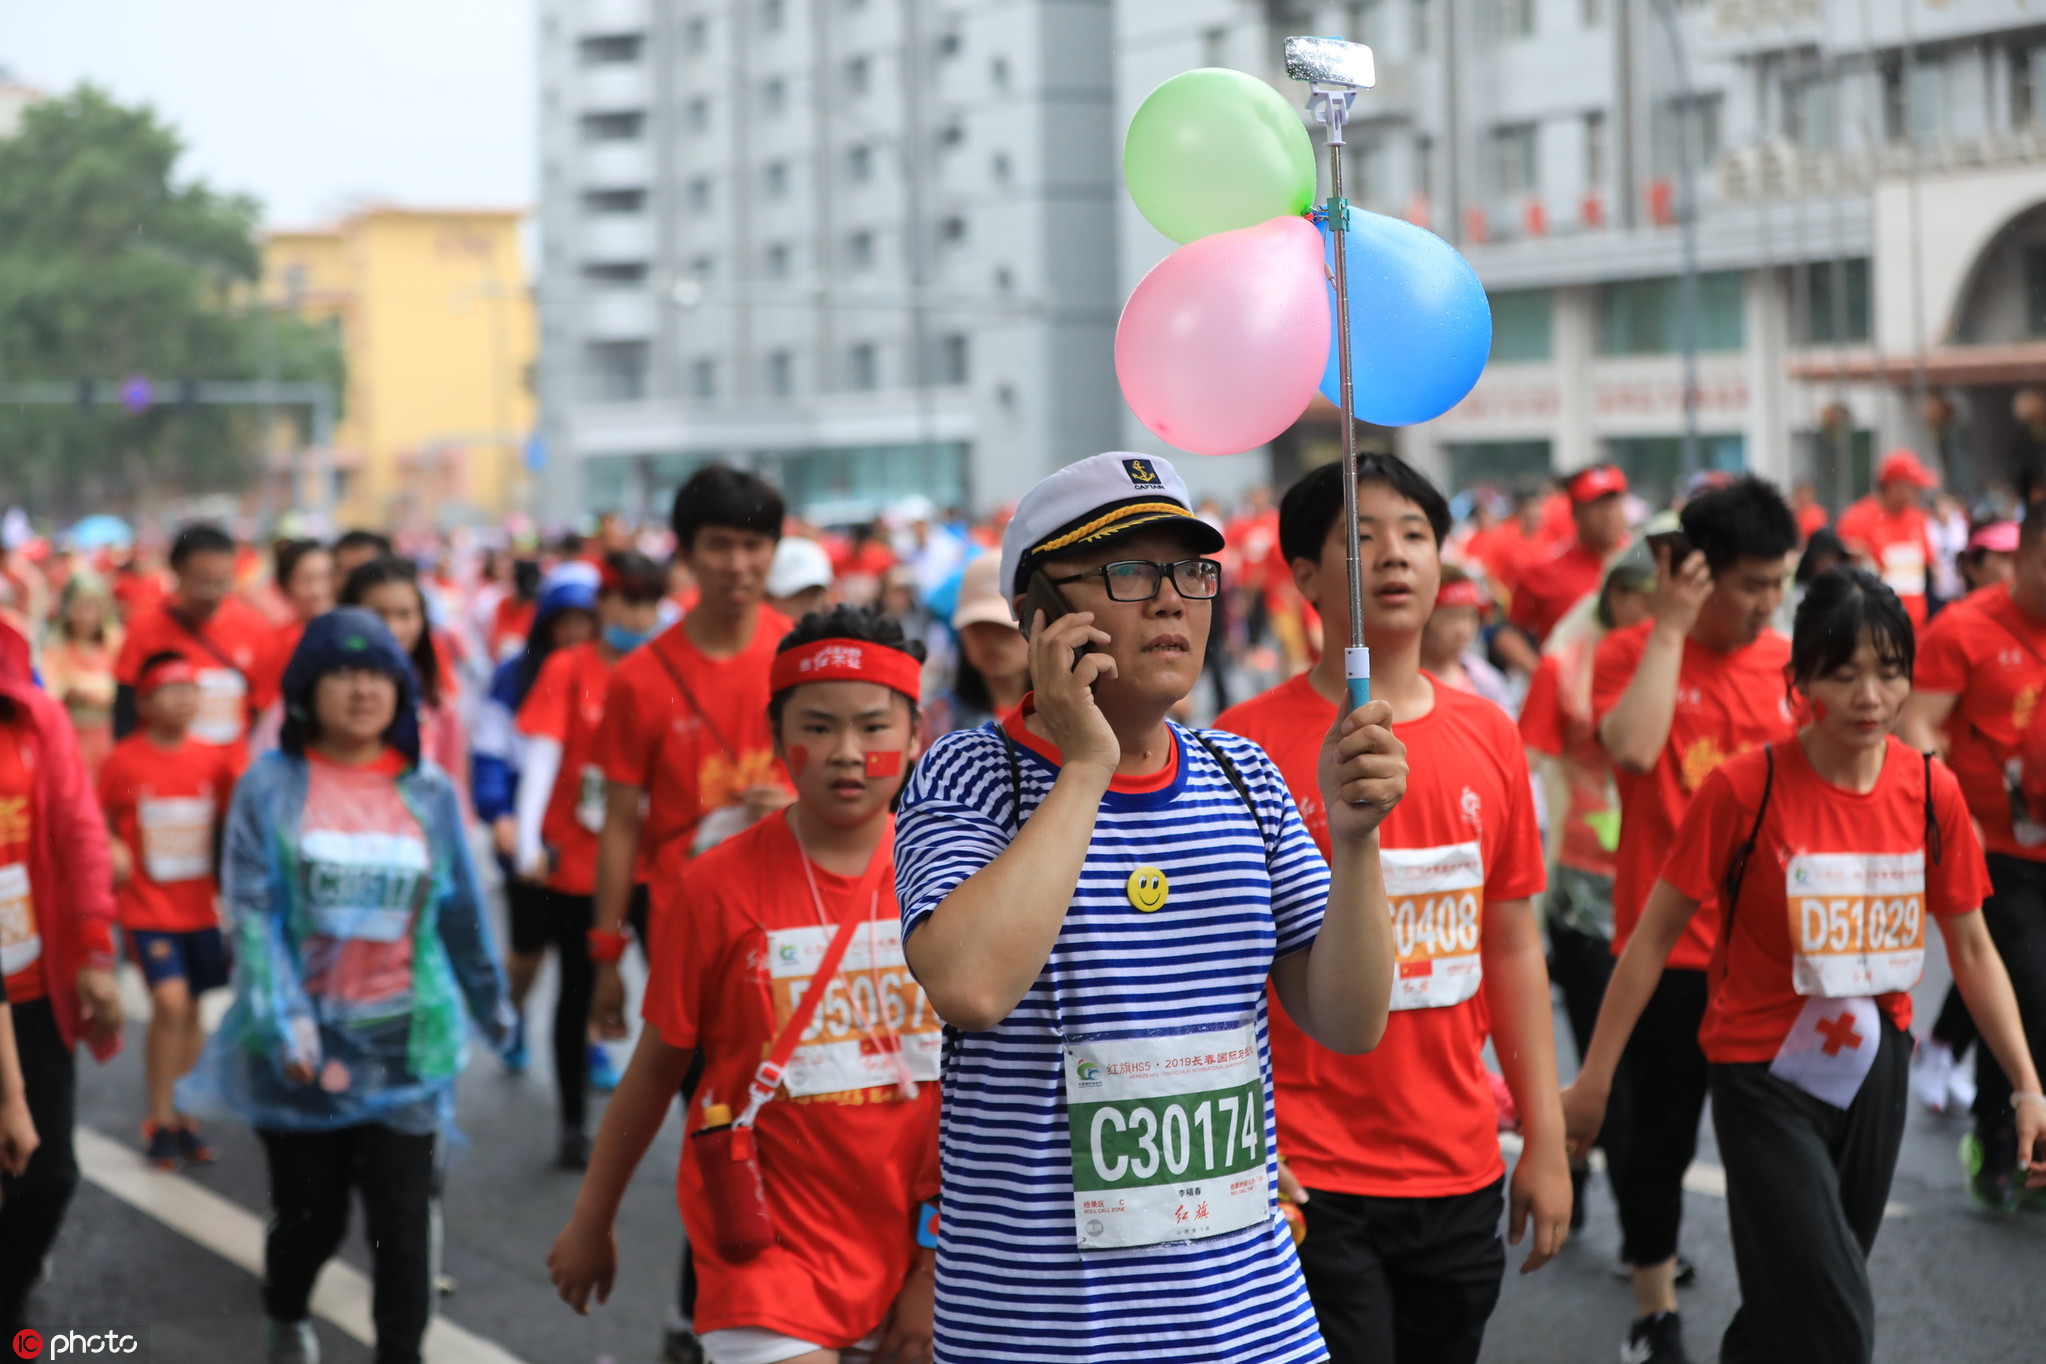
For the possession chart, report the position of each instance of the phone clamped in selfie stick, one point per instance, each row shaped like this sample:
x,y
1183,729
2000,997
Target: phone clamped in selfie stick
x,y
1335,71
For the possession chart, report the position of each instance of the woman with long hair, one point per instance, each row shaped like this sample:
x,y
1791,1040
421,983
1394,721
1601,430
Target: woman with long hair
x,y
79,651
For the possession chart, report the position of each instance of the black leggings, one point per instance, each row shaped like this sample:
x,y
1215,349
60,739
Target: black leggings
x,y
569,919
1581,964
2015,914
1666,1081
32,1203
311,1176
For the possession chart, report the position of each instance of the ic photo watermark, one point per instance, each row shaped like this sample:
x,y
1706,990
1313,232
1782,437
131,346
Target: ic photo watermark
x,y
127,1343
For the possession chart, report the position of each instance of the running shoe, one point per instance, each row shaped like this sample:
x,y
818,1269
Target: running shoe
x,y
1990,1175
292,1342
680,1347
603,1076
1657,1339
193,1146
1932,1073
1961,1089
160,1146
515,1054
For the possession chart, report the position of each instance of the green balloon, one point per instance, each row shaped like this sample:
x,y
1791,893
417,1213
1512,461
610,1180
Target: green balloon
x,y
1213,150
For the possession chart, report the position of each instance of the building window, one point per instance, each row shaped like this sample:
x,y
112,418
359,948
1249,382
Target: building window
x,y
950,44
775,260
1591,13
699,194
952,357
776,179
604,201
1836,301
859,163
1363,20
1927,93
1645,316
703,378
1520,465
859,250
1896,112
617,371
998,72
1654,464
1808,119
2024,93
1521,324
1215,47
1514,169
1424,167
953,134
697,114
859,75
615,271
703,267
780,374
771,15
1594,150
863,367
1001,168
1701,129
696,36
773,96
1005,279
614,127
1517,18
1423,27
605,49
2035,290
952,230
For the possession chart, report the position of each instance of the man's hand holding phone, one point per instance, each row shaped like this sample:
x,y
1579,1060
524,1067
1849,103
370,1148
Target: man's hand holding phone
x,y
1063,679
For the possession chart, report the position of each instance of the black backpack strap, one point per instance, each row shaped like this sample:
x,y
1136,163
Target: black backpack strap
x,y
1242,788
1737,866
1933,843
1015,776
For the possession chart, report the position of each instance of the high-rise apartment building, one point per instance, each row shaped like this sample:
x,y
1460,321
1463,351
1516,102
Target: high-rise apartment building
x,y
865,246
1870,218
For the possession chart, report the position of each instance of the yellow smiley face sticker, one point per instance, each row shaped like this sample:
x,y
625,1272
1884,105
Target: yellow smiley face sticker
x,y
1147,889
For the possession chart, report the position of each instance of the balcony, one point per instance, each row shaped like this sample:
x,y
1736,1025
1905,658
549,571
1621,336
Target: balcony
x,y
616,165
613,16
612,86
617,313
617,237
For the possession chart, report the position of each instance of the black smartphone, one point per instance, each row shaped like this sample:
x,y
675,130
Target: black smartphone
x,y
1041,594
1676,542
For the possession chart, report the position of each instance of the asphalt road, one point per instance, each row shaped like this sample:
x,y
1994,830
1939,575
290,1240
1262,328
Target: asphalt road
x,y
1953,1284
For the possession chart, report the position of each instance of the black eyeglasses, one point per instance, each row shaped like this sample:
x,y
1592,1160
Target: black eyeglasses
x,y
1138,579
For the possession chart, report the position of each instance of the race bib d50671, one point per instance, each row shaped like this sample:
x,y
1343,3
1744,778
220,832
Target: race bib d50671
x,y
848,1042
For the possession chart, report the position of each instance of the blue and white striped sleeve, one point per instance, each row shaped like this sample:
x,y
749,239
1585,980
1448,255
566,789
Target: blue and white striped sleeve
x,y
955,818
1299,872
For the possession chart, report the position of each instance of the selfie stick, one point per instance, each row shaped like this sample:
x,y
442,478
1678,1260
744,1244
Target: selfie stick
x,y
1335,71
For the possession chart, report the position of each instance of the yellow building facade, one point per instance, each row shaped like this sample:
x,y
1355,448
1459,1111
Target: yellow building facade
x,y
437,323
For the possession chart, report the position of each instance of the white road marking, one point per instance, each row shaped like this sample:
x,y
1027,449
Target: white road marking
x,y
342,1295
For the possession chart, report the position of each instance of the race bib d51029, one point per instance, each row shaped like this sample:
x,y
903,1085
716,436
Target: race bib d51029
x,y
1167,1137
1857,922
1437,900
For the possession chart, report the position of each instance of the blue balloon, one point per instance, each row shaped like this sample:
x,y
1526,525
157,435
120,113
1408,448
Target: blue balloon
x,y
1420,326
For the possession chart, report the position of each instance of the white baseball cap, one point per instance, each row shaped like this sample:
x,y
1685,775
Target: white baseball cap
x,y
799,564
1097,499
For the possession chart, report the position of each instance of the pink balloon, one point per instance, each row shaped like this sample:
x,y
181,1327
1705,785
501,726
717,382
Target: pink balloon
x,y
1221,345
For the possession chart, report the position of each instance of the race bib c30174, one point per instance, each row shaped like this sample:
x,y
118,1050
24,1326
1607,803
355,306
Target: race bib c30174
x,y
846,1046
1167,1137
1437,900
1857,922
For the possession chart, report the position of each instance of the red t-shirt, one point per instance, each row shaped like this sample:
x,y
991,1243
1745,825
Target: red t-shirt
x,y
1552,584
510,624
566,704
1856,867
1810,519
164,804
689,758
1415,1118
1503,551
1727,703
238,636
1561,728
364,856
21,943
1899,543
266,679
845,1168
1989,654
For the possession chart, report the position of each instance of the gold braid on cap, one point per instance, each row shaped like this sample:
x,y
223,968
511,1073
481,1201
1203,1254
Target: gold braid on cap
x,y
1106,521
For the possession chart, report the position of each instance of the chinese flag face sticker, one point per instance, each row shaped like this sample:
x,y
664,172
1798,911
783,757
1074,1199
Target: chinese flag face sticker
x,y
885,763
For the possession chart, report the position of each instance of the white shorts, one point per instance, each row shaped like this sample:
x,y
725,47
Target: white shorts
x,y
758,1345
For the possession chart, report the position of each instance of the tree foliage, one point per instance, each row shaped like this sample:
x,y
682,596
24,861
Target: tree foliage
x,y
110,267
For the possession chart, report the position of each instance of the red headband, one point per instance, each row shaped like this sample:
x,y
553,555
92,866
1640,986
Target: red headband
x,y
1464,593
847,660
165,674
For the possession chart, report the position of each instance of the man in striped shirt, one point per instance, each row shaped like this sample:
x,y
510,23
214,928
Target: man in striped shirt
x,y
1095,898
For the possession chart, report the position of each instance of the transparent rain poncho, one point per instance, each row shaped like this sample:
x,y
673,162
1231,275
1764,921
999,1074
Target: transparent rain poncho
x,y
360,941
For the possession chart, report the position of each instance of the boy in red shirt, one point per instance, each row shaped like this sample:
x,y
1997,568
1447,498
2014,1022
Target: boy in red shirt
x,y
560,809
220,635
1398,1150
1553,582
685,735
845,1140
1673,697
164,795
1888,530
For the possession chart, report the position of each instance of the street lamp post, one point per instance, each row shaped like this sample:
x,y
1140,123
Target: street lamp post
x,y
1687,222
